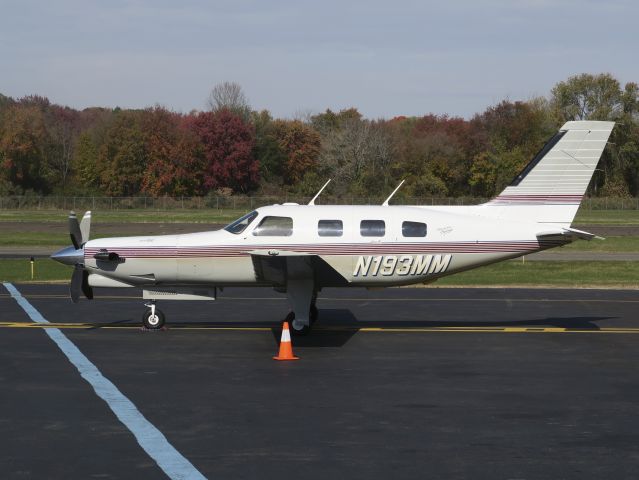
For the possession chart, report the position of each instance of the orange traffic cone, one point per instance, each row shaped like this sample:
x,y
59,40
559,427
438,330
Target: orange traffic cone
x,y
286,348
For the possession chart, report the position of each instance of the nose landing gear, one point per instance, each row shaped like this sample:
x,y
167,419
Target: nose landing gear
x,y
153,318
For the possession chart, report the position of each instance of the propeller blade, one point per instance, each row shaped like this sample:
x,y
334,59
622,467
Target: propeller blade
x,y
76,283
86,288
74,231
85,227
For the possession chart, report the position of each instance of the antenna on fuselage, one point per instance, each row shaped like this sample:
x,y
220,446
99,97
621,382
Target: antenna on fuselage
x,y
385,204
312,202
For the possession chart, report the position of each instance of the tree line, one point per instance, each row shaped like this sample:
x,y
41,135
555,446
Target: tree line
x,y
232,149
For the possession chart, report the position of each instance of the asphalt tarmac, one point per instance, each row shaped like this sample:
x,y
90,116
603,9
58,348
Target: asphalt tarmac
x,y
398,383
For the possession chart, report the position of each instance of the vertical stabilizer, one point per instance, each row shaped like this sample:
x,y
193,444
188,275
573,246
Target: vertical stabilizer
x,y
550,188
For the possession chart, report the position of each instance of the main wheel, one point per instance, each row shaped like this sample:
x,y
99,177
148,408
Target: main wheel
x,y
297,330
153,322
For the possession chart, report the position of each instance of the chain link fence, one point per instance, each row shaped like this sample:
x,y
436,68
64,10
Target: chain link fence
x,y
249,203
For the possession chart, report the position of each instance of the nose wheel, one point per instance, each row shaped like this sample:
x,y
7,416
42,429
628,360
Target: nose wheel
x,y
153,318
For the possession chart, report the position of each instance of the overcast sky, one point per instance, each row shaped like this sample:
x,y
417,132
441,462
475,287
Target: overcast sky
x,y
385,58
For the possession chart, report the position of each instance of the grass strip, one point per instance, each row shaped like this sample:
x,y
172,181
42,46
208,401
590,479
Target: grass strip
x,y
607,217
45,269
610,244
212,215
565,274
126,216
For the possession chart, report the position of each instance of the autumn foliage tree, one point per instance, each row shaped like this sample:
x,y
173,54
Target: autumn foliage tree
x,y
52,149
62,127
24,142
172,159
300,144
123,156
226,144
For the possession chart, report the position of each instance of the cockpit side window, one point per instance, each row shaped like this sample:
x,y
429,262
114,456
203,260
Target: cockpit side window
x,y
239,225
274,227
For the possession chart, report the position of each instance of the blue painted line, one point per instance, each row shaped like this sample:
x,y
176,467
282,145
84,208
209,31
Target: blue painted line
x,y
148,436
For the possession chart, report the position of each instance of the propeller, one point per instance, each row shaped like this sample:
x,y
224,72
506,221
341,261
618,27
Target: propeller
x,y
80,283
79,233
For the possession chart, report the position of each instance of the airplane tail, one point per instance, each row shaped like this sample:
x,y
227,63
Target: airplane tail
x,y
550,188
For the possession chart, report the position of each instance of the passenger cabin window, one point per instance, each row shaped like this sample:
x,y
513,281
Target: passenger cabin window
x,y
413,229
372,228
330,228
274,227
239,225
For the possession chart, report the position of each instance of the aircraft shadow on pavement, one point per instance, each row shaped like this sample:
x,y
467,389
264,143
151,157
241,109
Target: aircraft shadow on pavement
x,y
344,318
581,322
320,338
335,327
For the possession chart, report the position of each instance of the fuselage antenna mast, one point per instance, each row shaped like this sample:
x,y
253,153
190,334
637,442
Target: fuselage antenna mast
x,y
312,202
385,204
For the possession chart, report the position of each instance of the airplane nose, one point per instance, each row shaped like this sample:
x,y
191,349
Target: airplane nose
x,y
69,256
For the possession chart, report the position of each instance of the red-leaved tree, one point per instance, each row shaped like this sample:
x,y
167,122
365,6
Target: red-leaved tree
x,y
226,143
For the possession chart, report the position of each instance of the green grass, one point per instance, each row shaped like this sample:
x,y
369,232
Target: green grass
x,y
45,269
566,274
607,217
510,273
38,239
126,216
584,216
610,244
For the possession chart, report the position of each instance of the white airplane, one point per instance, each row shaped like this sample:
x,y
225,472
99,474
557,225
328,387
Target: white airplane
x,y
300,249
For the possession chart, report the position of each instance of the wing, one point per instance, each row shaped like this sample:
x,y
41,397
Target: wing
x,y
278,267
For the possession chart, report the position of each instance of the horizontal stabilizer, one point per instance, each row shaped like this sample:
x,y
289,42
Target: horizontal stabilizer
x,y
569,233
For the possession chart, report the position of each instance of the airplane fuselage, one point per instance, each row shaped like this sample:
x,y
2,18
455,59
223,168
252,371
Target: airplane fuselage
x,y
354,245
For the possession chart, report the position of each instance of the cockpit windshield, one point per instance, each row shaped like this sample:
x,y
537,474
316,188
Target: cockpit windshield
x,y
239,225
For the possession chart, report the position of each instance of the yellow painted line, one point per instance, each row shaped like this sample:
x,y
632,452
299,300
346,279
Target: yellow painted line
x,y
363,299
439,329
514,300
497,330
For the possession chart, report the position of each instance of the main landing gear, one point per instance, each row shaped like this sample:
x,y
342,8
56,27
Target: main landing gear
x,y
299,328
153,318
302,297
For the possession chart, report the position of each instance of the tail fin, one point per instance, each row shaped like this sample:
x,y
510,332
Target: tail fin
x,y
550,188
